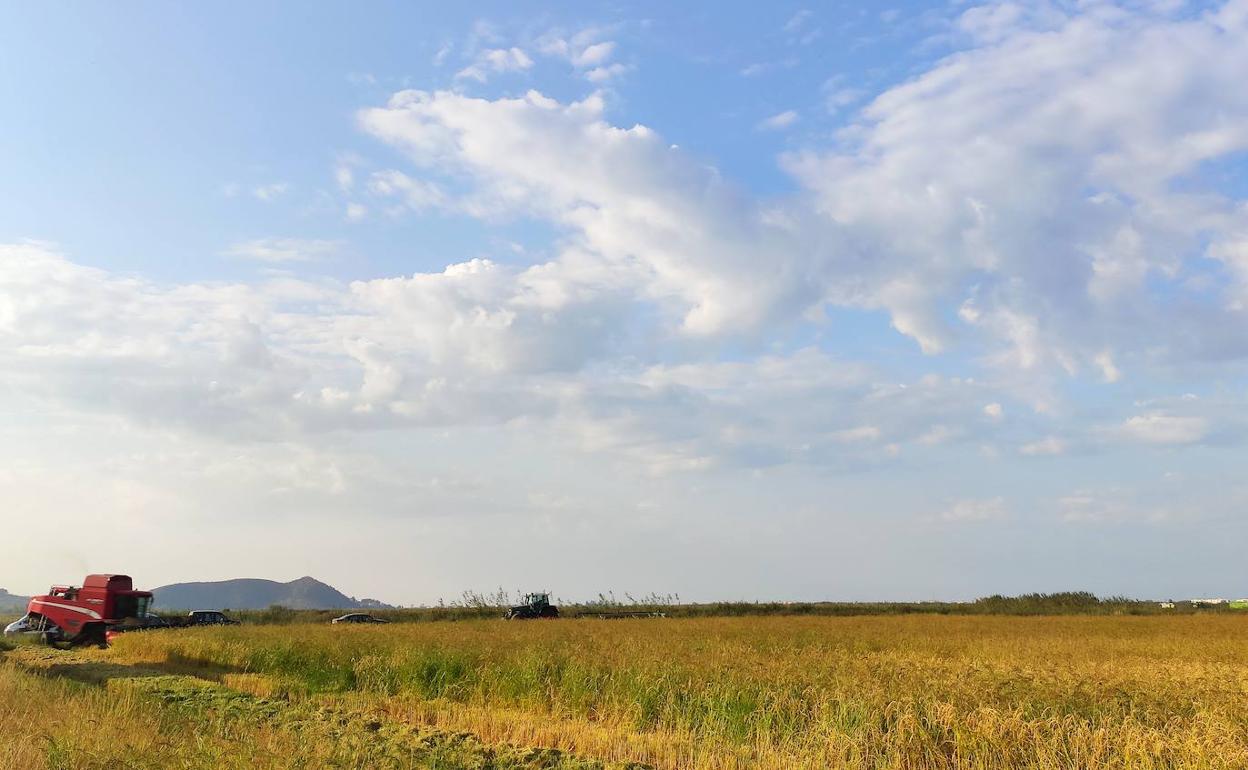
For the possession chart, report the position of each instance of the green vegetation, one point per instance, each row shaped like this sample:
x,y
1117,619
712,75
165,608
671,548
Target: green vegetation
x,y
481,607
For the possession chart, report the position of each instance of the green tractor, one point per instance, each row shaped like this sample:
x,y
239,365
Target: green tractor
x,y
535,606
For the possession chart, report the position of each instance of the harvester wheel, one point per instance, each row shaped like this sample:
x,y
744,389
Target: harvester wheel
x,y
92,633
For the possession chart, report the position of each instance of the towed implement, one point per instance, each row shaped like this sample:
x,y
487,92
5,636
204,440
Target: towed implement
x,y
618,614
68,616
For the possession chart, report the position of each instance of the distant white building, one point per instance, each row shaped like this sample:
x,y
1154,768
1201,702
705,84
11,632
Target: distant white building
x,y
1166,605
1207,602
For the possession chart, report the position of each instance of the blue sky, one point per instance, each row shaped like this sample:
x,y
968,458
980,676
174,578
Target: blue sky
x,y
926,300
140,112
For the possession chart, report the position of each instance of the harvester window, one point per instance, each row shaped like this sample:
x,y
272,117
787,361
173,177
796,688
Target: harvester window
x,y
132,606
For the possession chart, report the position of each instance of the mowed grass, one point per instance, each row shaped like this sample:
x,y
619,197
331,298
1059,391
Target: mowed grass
x,y
870,692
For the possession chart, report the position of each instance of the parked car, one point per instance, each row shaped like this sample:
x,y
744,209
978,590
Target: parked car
x,y
209,618
358,617
147,622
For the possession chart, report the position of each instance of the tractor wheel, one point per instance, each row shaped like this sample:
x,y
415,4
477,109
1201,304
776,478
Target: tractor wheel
x,y
549,612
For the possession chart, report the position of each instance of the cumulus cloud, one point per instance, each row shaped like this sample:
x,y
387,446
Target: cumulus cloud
x,y
646,218
1056,277
1036,175
473,344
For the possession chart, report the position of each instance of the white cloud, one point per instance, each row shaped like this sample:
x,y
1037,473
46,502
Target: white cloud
x,y
443,51
586,51
494,61
345,177
1109,372
606,72
1102,113
356,212
994,411
272,191
416,194
1050,445
760,68
797,20
648,220
594,55
285,249
779,121
1114,506
1161,428
860,433
975,510
474,344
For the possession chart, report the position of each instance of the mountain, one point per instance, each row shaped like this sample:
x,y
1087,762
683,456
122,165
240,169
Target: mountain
x,y
10,601
252,594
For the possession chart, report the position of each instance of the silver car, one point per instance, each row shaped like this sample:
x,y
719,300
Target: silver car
x,y
358,617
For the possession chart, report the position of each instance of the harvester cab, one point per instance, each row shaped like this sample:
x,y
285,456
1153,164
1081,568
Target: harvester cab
x,y
70,615
535,606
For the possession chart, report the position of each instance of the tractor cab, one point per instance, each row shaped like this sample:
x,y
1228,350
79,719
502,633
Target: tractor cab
x,y
536,605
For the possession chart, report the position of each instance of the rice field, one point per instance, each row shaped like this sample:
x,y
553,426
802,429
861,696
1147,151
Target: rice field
x,y
704,694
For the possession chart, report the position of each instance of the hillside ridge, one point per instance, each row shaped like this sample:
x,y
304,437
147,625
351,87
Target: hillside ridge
x,y
304,593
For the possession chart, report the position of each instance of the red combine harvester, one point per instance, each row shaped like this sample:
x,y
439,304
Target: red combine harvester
x,y
68,615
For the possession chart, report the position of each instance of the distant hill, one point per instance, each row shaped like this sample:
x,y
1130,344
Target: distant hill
x,y
10,601
252,594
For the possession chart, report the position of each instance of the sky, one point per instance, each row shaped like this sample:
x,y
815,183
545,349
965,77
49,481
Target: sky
x,y
782,301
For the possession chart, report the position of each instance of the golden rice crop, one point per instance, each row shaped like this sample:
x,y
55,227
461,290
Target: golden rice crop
x,y
867,692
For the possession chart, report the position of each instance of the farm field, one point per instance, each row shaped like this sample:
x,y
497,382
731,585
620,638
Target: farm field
x,y
705,693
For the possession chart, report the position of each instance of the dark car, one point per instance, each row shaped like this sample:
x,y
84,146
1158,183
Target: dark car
x,y
209,618
358,617
152,620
